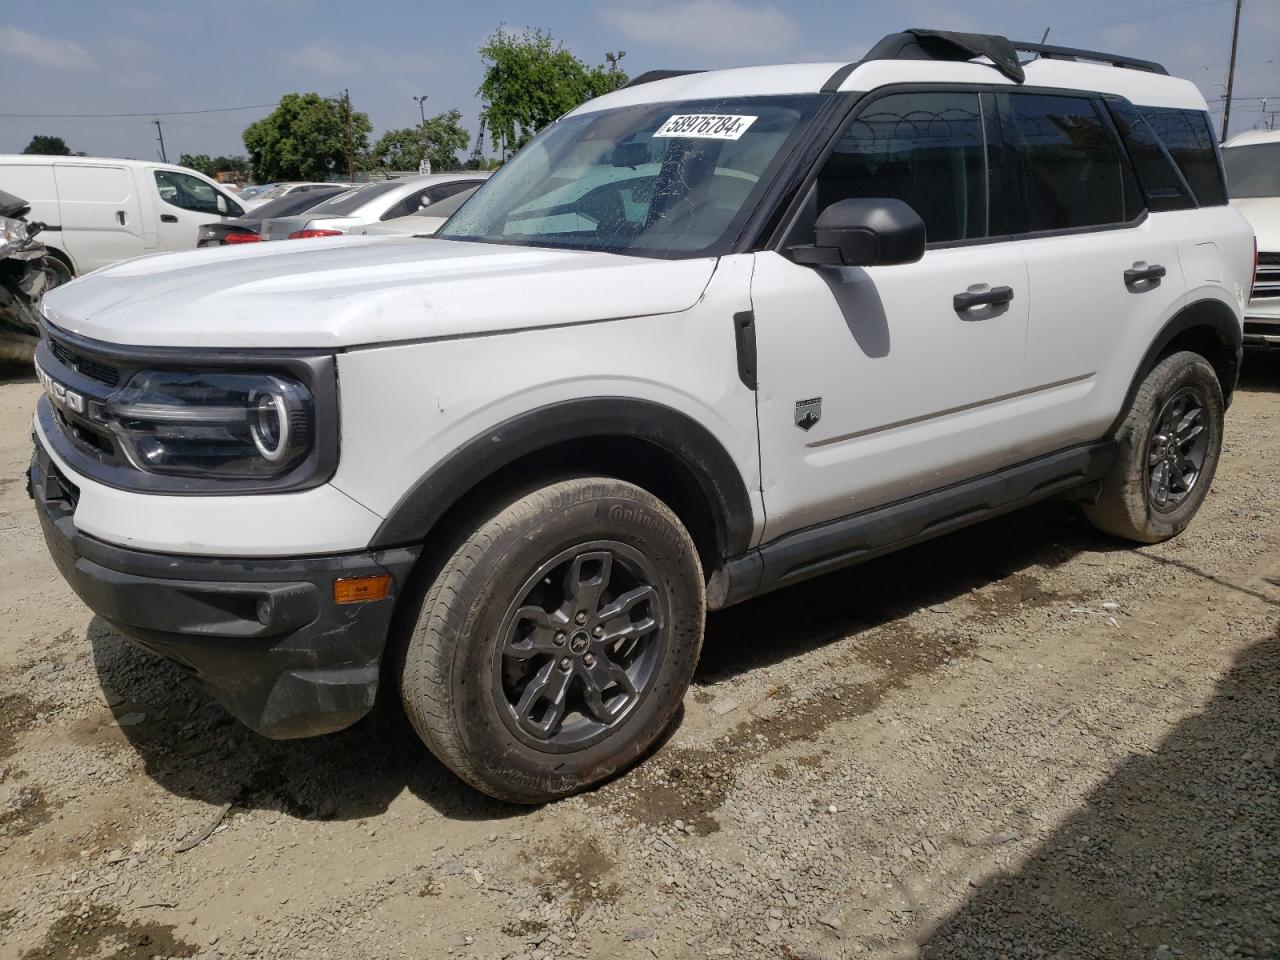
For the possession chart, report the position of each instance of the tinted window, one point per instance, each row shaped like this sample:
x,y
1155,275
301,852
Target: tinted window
x,y
1162,183
1189,138
351,200
1072,173
926,149
1253,171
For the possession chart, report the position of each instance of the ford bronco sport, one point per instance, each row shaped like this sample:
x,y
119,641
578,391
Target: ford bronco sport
x,y
706,336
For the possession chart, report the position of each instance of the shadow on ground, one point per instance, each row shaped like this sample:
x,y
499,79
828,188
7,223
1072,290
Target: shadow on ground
x,y
16,372
785,624
1176,855
192,747
1260,372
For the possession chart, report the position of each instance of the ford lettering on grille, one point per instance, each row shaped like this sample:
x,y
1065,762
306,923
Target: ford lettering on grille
x,y
58,393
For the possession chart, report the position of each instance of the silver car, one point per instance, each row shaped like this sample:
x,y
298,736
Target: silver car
x,y
369,204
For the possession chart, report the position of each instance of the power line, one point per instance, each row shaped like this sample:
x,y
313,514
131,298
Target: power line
x,y
1141,15
150,113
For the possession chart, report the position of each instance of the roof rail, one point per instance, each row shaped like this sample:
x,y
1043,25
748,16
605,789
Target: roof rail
x,y
1051,52
921,44
651,75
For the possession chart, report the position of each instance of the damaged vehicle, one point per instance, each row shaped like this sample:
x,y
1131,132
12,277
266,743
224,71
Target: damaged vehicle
x,y
24,277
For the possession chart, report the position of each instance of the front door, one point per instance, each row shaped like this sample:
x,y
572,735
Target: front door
x,y
184,204
877,384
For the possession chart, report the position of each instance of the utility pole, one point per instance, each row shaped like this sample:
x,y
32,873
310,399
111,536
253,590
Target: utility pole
x,y
350,138
422,112
160,133
613,58
1231,70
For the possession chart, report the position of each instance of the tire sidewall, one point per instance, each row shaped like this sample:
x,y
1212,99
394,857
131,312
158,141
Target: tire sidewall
x,y
601,512
1171,376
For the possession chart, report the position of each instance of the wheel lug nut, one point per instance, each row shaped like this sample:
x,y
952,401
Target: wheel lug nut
x,y
565,663
580,618
558,639
597,631
589,659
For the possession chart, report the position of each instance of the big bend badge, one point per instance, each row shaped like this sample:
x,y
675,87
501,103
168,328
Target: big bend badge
x,y
808,413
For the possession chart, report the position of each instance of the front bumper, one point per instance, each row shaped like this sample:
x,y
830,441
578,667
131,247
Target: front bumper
x,y
263,635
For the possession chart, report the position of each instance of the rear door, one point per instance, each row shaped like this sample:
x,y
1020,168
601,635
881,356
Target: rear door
x,y
185,203
1104,274
101,216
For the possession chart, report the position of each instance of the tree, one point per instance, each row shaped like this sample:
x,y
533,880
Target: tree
x,y
440,138
305,138
211,166
48,146
530,80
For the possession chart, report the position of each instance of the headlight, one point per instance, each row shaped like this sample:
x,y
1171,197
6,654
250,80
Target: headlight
x,y
218,425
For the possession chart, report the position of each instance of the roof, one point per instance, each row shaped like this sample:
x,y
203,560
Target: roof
x,y
91,161
1141,81
1250,137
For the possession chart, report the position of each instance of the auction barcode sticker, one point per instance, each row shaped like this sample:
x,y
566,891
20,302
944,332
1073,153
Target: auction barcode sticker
x,y
708,126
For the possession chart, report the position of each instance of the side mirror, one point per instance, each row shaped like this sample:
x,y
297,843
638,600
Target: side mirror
x,y
864,232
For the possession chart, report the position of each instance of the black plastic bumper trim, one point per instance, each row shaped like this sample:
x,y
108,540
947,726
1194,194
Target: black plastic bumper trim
x,y
264,635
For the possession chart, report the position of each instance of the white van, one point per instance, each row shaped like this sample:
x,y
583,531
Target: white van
x,y
99,211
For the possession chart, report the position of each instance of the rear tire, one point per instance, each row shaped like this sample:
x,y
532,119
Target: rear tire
x,y
557,642
1169,445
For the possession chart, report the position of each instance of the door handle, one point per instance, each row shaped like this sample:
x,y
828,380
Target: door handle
x,y
121,217
168,218
982,298
1142,272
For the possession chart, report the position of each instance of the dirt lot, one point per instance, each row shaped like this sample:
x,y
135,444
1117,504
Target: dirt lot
x,y
1022,740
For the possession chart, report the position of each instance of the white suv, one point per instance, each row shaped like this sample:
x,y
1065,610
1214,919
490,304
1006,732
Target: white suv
x,y
1253,179
705,337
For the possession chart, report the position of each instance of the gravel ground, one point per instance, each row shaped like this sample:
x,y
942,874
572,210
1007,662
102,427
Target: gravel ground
x,y
1021,740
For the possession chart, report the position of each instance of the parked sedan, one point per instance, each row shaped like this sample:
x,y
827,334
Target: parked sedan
x,y
371,203
424,223
245,229
287,190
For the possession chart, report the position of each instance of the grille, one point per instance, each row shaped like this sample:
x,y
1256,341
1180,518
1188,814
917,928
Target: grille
x,y
102,372
1266,283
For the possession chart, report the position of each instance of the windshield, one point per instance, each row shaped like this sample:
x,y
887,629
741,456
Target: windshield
x,y
350,201
1253,171
664,180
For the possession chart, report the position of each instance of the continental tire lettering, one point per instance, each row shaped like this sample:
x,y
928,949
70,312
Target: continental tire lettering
x,y
618,513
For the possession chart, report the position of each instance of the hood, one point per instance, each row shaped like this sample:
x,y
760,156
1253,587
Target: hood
x,y
1263,214
344,291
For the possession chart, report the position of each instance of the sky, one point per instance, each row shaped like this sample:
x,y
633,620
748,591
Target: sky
x,y
155,57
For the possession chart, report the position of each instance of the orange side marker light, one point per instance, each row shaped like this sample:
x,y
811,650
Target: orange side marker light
x,y
362,589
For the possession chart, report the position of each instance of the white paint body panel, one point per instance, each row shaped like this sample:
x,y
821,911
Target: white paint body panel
x,y
461,388
911,391
345,291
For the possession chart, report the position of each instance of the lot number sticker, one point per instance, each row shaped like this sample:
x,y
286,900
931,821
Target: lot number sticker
x,y
707,126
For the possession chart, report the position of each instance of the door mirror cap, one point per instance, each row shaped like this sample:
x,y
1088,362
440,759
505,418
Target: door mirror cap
x,y
864,232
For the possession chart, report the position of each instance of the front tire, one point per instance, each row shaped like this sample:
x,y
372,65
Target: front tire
x,y
557,642
1169,445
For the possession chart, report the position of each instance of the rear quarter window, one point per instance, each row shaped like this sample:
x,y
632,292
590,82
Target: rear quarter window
x,y
1188,136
